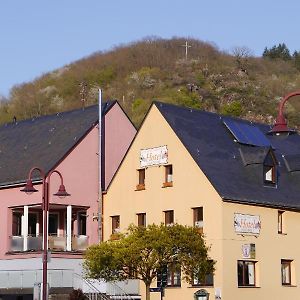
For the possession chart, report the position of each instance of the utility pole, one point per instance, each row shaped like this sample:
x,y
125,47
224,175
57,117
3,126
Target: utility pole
x,y
187,46
83,93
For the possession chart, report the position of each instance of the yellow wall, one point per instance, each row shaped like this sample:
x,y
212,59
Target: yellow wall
x,y
191,189
270,246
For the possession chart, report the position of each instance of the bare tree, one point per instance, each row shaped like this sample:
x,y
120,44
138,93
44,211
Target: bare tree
x,y
242,55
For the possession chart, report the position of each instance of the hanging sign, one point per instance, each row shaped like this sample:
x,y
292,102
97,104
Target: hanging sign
x,y
247,224
154,156
248,251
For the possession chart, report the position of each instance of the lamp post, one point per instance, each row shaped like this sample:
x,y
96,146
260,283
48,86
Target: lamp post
x,y
29,189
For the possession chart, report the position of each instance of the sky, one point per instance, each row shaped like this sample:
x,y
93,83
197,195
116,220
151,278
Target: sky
x,y
38,36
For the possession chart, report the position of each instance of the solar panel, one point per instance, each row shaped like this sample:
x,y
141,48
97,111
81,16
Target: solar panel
x,y
247,134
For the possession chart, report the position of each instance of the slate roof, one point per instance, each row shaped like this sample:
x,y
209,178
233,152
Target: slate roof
x,y
236,170
43,142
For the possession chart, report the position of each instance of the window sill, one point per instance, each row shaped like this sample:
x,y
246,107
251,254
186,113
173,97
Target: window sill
x,y
167,184
282,233
248,286
173,286
289,285
140,187
201,285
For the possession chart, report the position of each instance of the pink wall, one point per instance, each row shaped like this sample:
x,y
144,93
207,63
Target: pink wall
x,y
119,133
80,173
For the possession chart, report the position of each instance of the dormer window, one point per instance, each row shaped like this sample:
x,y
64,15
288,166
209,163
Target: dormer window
x,y
269,169
269,174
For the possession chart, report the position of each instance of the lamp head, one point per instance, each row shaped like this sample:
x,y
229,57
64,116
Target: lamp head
x,y
62,193
29,188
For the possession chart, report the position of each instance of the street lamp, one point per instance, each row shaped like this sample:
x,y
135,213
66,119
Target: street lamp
x,y
29,189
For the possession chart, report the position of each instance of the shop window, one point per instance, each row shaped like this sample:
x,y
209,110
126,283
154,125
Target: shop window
x,y
168,176
141,218
174,276
280,221
141,179
286,278
169,217
198,218
246,273
115,224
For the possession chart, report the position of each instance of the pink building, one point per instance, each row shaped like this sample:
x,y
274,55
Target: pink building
x,y
68,142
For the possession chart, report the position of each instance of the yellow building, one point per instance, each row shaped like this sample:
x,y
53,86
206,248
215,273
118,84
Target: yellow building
x,y
228,177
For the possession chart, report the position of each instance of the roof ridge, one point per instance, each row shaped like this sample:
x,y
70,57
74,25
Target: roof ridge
x,y
108,104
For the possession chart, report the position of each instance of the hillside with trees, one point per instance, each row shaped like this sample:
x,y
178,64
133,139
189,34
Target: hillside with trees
x,y
235,83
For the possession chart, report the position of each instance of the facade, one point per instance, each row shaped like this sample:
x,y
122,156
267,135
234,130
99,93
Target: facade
x,y
230,178
69,143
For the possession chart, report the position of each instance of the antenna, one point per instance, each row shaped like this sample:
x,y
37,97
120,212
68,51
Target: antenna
x,y
186,49
83,93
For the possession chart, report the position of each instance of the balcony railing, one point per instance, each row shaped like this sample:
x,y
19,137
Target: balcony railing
x,y
80,242
16,243
55,243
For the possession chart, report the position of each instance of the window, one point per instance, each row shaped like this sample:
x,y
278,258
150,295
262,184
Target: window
x,y
286,272
141,180
115,224
246,273
269,174
53,224
198,218
32,221
208,280
280,222
168,176
81,223
169,217
174,277
169,276
141,219
17,223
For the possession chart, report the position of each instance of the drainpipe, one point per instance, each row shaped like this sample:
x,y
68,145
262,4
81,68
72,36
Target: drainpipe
x,y
280,125
100,200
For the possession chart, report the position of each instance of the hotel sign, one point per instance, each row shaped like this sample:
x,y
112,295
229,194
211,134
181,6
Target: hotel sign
x,y
154,156
247,224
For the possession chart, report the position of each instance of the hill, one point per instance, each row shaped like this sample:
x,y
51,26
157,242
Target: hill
x,y
235,84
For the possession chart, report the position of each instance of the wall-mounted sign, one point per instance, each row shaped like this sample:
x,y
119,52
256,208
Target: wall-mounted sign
x,y
247,224
248,251
154,156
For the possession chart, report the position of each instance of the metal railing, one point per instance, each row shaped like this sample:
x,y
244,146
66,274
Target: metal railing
x,y
80,242
27,278
67,278
56,243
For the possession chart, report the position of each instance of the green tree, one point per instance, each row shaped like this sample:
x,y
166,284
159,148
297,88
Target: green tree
x,y
277,52
143,252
